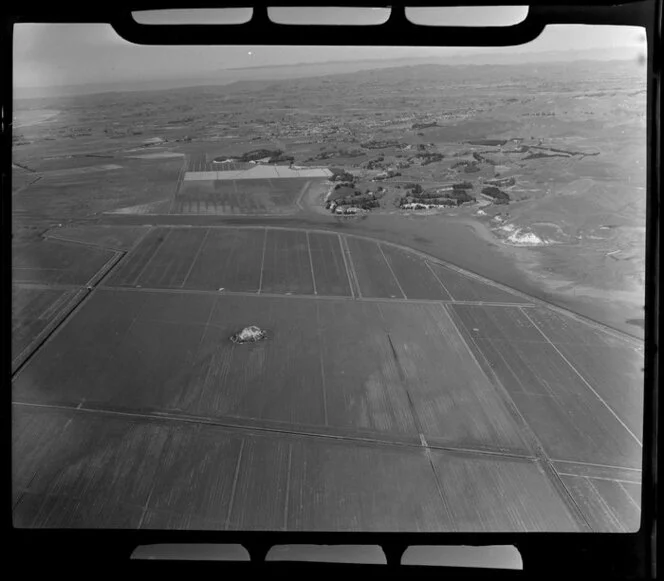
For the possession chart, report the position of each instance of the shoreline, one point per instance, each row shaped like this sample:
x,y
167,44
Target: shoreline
x,y
463,241
572,295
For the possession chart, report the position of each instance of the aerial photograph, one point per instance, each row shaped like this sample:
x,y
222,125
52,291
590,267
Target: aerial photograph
x,y
297,288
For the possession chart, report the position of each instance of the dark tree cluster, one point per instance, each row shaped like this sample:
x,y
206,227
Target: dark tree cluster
x,y
380,144
340,175
260,154
496,193
424,125
365,201
430,157
480,158
282,158
541,155
502,182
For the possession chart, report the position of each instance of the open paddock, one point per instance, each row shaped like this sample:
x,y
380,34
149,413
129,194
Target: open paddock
x,y
374,274
609,505
287,263
82,469
53,261
35,311
346,365
78,195
467,415
570,418
463,287
113,237
240,196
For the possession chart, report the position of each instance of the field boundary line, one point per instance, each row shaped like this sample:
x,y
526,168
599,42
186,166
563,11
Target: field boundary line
x,y
20,361
53,309
178,183
307,297
606,478
195,258
585,381
343,257
260,280
322,365
613,518
236,474
532,300
529,434
621,484
149,260
440,282
418,423
391,270
34,268
26,186
154,483
227,423
593,465
98,276
311,263
538,302
288,485
148,229
298,202
351,267
46,286
80,242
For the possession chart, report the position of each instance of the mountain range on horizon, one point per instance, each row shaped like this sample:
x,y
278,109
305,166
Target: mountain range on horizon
x,y
228,76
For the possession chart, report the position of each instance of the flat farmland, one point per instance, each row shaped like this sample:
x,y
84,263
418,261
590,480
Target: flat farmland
x,y
88,472
229,259
168,351
363,387
172,351
34,310
171,263
81,469
610,506
475,486
244,196
329,267
374,275
236,259
287,266
113,237
51,261
344,365
77,195
612,365
132,265
565,413
355,414
455,403
467,288
414,274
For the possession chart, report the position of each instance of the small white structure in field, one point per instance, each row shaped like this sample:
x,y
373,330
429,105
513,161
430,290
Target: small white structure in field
x,y
250,334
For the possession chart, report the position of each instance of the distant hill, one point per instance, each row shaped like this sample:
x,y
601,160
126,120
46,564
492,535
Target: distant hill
x,y
227,77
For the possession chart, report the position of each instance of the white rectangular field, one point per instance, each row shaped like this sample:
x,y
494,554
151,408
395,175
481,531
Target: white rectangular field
x,y
258,172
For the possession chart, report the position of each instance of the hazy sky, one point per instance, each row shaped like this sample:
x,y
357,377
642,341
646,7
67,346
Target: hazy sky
x,y
47,55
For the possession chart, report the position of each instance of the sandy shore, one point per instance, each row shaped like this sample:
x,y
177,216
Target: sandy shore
x,y
610,306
